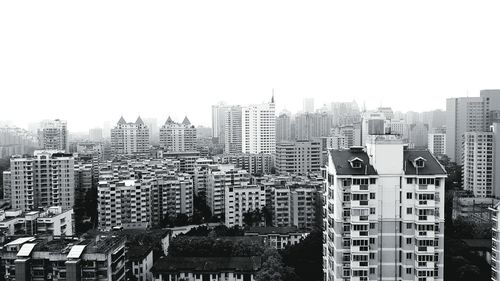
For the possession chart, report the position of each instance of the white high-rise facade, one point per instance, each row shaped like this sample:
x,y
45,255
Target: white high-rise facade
x,y
44,180
218,121
232,129
436,143
258,134
178,137
130,138
240,200
384,213
53,135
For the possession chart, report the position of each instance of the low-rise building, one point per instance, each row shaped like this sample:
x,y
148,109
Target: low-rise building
x,y
206,268
53,221
278,237
140,262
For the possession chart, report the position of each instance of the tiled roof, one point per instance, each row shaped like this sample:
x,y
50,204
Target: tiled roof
x,y
341,160
207,264
431,166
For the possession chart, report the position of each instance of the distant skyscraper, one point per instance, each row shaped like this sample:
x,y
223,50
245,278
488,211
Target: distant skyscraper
x,y
232,129
345,113
463,115
53,135
418,135
258,124
478,172
308,105
437,143
152,124
309,126
178,137
373,123
218,121
95,134
492,100
283,128
130,138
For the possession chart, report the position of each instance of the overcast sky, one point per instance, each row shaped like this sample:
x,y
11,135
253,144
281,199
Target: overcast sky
x,y
91,61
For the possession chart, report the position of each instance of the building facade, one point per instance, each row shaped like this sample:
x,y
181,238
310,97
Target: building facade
x,y
53,135
258,133
299,157
130,138
384,213
178,137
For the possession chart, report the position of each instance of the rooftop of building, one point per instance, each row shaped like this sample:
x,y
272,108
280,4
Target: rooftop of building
x,y
138,252
431,167
341,159
265,230
207,264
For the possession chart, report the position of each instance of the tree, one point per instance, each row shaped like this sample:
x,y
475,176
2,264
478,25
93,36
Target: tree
x,y
253,217
273,268
306,257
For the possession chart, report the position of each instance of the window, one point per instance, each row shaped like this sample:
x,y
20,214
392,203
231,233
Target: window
x,y
372,225
408,225
373,181
372,211
372,240
409,180
409,195
419,163
372,195
408,256
372,270
408,270
409,211
372,256
408,241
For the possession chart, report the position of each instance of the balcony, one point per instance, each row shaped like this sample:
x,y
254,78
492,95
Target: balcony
x,y
359,218
360,188
426,218
424,264
426,204
426,188
424,249
425,234
359,249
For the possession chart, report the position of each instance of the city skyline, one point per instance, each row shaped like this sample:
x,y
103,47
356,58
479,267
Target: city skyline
x,y
150,67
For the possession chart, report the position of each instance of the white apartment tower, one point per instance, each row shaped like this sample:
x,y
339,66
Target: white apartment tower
x,y
178,137
41,181
218,121
219,180
53,135
130,138
258,134
384,210
242,199
436,143
299,157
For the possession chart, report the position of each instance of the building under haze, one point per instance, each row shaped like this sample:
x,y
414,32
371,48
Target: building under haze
x,y
130,138
232,129
53,135
258,123
178,137
298,157
283,128
384,213
308,105
436,143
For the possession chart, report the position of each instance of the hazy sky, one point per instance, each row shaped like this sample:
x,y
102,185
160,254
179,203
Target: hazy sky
x,y
90,61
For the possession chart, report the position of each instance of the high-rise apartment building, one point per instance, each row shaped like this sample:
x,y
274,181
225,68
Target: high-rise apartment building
x,y
232,130
218,121
53,135
463,115
283,128
418,135
310,126
345,113
254,164
43,180
478,173
15,140
384,213
258,123
436,143
299,157
178,137
240,200
219,180
130,138
95,134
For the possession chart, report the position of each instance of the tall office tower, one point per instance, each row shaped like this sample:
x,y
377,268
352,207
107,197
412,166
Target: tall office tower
x,y
418,135
283,128
372,123
232,129
436,143
219,180
384,213
299,157
258,123
15,140
345,113
218,121
95,134
154,136
124,204
308,105
178,137
463,115
130,138
309,126
53,135
44,180
240,200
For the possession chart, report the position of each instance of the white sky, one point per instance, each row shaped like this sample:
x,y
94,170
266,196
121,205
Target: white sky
x,y
92,61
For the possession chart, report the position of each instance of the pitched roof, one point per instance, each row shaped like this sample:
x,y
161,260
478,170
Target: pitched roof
x,y
432,165
186,121
341,159
207,264
169,120
122,121
139,121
